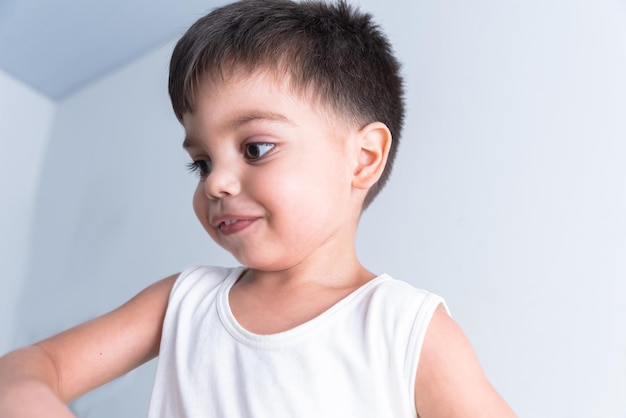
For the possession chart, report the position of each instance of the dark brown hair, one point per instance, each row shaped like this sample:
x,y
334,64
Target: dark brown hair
x,y
331,50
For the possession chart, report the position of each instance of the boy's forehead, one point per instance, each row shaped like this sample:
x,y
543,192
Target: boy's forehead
x,y
266,79
252,92
263,92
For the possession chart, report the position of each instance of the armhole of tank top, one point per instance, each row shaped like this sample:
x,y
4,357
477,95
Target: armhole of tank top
x,y
421,322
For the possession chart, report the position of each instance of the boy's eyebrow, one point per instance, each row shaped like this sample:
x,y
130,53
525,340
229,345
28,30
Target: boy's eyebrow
x,y
239,121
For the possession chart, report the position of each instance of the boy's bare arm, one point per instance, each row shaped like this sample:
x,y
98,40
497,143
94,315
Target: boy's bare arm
x,y
69,364
28,385
450,381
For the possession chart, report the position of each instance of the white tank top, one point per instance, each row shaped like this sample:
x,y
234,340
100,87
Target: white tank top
x,y
358,359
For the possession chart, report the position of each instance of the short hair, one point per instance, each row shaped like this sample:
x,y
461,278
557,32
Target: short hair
x,y
331,50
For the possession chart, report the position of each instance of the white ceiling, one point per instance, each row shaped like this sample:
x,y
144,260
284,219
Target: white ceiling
x,y
59,46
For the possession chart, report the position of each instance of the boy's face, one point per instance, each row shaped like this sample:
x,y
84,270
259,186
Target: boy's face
x,y
275,185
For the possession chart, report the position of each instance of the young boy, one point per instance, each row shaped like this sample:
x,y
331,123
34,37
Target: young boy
x,y
292,115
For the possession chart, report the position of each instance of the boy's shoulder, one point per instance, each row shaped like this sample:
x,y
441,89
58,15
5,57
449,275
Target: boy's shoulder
x,y
404,310
391,292
203,278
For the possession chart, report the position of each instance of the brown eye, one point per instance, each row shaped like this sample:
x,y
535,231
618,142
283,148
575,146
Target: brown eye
x,y
256,150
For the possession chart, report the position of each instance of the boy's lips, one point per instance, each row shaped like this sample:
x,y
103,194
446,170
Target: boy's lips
x,y
231,224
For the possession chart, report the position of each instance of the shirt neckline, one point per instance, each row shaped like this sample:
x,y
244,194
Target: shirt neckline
x,y
268,341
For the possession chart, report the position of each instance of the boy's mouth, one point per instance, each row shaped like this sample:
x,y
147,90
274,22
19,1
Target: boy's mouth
x,y
230,226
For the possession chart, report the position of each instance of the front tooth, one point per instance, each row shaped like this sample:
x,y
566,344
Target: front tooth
x,y
229,222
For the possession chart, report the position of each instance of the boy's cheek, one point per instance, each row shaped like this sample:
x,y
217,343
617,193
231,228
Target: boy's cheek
x,y
200,206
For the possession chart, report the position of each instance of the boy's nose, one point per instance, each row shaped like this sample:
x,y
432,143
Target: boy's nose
x,y
221,182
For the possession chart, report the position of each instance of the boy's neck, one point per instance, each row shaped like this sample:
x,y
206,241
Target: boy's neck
x,y
267,302
333,265
273,302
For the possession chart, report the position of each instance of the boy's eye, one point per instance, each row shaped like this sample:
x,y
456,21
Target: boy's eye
x,y
201,167
256,150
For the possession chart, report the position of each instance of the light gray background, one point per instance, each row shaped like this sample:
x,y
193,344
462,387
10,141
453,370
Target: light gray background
x,y
507,198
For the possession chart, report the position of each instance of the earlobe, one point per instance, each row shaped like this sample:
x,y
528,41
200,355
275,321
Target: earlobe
x,y
375,142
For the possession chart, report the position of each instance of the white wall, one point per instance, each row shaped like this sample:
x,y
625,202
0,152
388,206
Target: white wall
x,y
25,123
507,197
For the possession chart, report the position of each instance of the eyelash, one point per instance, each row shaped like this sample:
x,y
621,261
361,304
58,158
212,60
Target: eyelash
x,y
203,167
200,167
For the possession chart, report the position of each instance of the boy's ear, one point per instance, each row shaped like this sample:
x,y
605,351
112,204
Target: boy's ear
x,y
374,142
